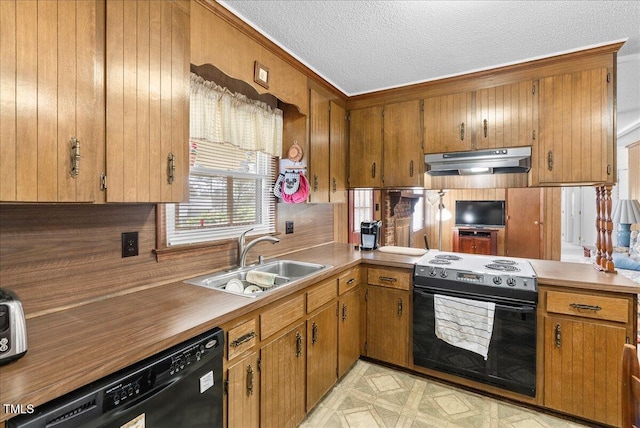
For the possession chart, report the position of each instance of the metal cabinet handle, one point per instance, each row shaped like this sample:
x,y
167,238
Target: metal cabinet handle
x,y
373,170
314,333
249,380
344,312
351,281
171,167
242,339
411,168
558,336
298,344
485,124
75,157
581,306
462,131
387,279
335,185
400,307
550,160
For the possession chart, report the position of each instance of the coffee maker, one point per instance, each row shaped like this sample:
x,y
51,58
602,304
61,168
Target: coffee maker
x,y
370,235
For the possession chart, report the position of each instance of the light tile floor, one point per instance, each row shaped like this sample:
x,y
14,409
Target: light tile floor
x,y
373,396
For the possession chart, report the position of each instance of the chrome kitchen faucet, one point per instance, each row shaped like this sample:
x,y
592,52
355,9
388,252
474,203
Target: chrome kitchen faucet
x,y
244,249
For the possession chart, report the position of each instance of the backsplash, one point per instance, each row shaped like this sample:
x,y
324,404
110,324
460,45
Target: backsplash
x,y
58,256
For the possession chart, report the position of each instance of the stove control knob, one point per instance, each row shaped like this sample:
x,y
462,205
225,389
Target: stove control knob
x,y
432,272
444,273
511,282
497,280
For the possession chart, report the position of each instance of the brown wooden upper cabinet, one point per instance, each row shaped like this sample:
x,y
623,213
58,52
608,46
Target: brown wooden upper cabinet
x,y
328,150
505,116
53,145
147,99
447,123
576,143
365,147
402,145
51,132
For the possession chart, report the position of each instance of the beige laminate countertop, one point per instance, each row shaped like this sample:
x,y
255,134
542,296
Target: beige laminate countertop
x,y
71,348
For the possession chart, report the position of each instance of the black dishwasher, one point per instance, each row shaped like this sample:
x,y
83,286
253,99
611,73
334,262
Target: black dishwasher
x,y
179,387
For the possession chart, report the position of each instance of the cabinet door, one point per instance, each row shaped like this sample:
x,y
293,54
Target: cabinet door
x,y
318,147
282,380
348,330
482,246
322,353
447,123
50,80
338,151
243,394
582,368
388,325
524,223
365,147
576,129
466,244
402,145
147,98
504,115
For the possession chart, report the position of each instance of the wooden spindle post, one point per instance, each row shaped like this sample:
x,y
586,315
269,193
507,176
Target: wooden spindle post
x,y
598,225
609,267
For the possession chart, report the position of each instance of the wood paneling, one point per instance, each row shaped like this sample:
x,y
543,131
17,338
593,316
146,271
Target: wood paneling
x,y
147,100
244,409
322,353
365,147
282,376
318,147
51,90
219,41
56,256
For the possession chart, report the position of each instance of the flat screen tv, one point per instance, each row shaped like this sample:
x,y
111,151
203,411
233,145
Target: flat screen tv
x,y
480,213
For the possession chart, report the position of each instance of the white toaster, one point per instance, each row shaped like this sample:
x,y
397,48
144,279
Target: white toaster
x,y
13,327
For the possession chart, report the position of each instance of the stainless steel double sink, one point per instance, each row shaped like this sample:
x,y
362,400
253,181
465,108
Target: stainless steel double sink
x,y
286,272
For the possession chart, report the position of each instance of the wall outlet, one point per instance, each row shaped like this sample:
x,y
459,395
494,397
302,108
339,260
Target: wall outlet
x,y
288,227
129,244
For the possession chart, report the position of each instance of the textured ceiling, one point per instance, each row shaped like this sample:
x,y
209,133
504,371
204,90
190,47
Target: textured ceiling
x,y
364,46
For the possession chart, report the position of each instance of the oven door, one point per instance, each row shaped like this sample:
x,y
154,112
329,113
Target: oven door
x,y
511,361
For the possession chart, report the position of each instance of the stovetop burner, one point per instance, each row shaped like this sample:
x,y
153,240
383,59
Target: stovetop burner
x,y
440,261
448,257
504,262
502,267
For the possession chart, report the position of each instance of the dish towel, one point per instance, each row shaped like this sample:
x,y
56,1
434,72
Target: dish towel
x,y
263,279
467,324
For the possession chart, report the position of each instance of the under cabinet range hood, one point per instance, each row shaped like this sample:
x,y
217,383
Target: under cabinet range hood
x,y
494,161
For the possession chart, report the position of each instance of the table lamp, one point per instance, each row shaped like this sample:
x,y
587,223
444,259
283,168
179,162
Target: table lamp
x,y
625,213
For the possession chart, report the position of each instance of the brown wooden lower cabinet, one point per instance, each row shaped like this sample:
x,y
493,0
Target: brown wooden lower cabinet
x,y
473,241
243,407
322,353
282,379
388,325
584,335
348,330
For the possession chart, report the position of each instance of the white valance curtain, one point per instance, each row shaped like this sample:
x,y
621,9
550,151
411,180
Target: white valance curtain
x,y
220,116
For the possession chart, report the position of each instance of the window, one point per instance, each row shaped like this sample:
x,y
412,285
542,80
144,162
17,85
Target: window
x,y
362,207
230,191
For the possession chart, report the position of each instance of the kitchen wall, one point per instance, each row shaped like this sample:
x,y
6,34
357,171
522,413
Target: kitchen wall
x,y
59,256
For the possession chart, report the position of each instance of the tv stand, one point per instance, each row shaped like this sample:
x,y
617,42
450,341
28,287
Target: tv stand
x,y
475,241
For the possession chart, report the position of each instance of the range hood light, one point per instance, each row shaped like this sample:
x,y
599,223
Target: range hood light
x,y
476,170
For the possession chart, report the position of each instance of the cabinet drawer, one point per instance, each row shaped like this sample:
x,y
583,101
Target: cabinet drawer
x,y
388,277
321,294
241,338
588,306
348,280
280,316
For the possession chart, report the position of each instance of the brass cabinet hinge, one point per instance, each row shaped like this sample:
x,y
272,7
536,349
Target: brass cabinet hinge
x,y
609,169
366,295
349,117
421,105
533,134
608,77
226,387
260,365
103,182
533,89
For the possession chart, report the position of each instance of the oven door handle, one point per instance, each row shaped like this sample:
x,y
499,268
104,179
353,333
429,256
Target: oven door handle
x,y
519,309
